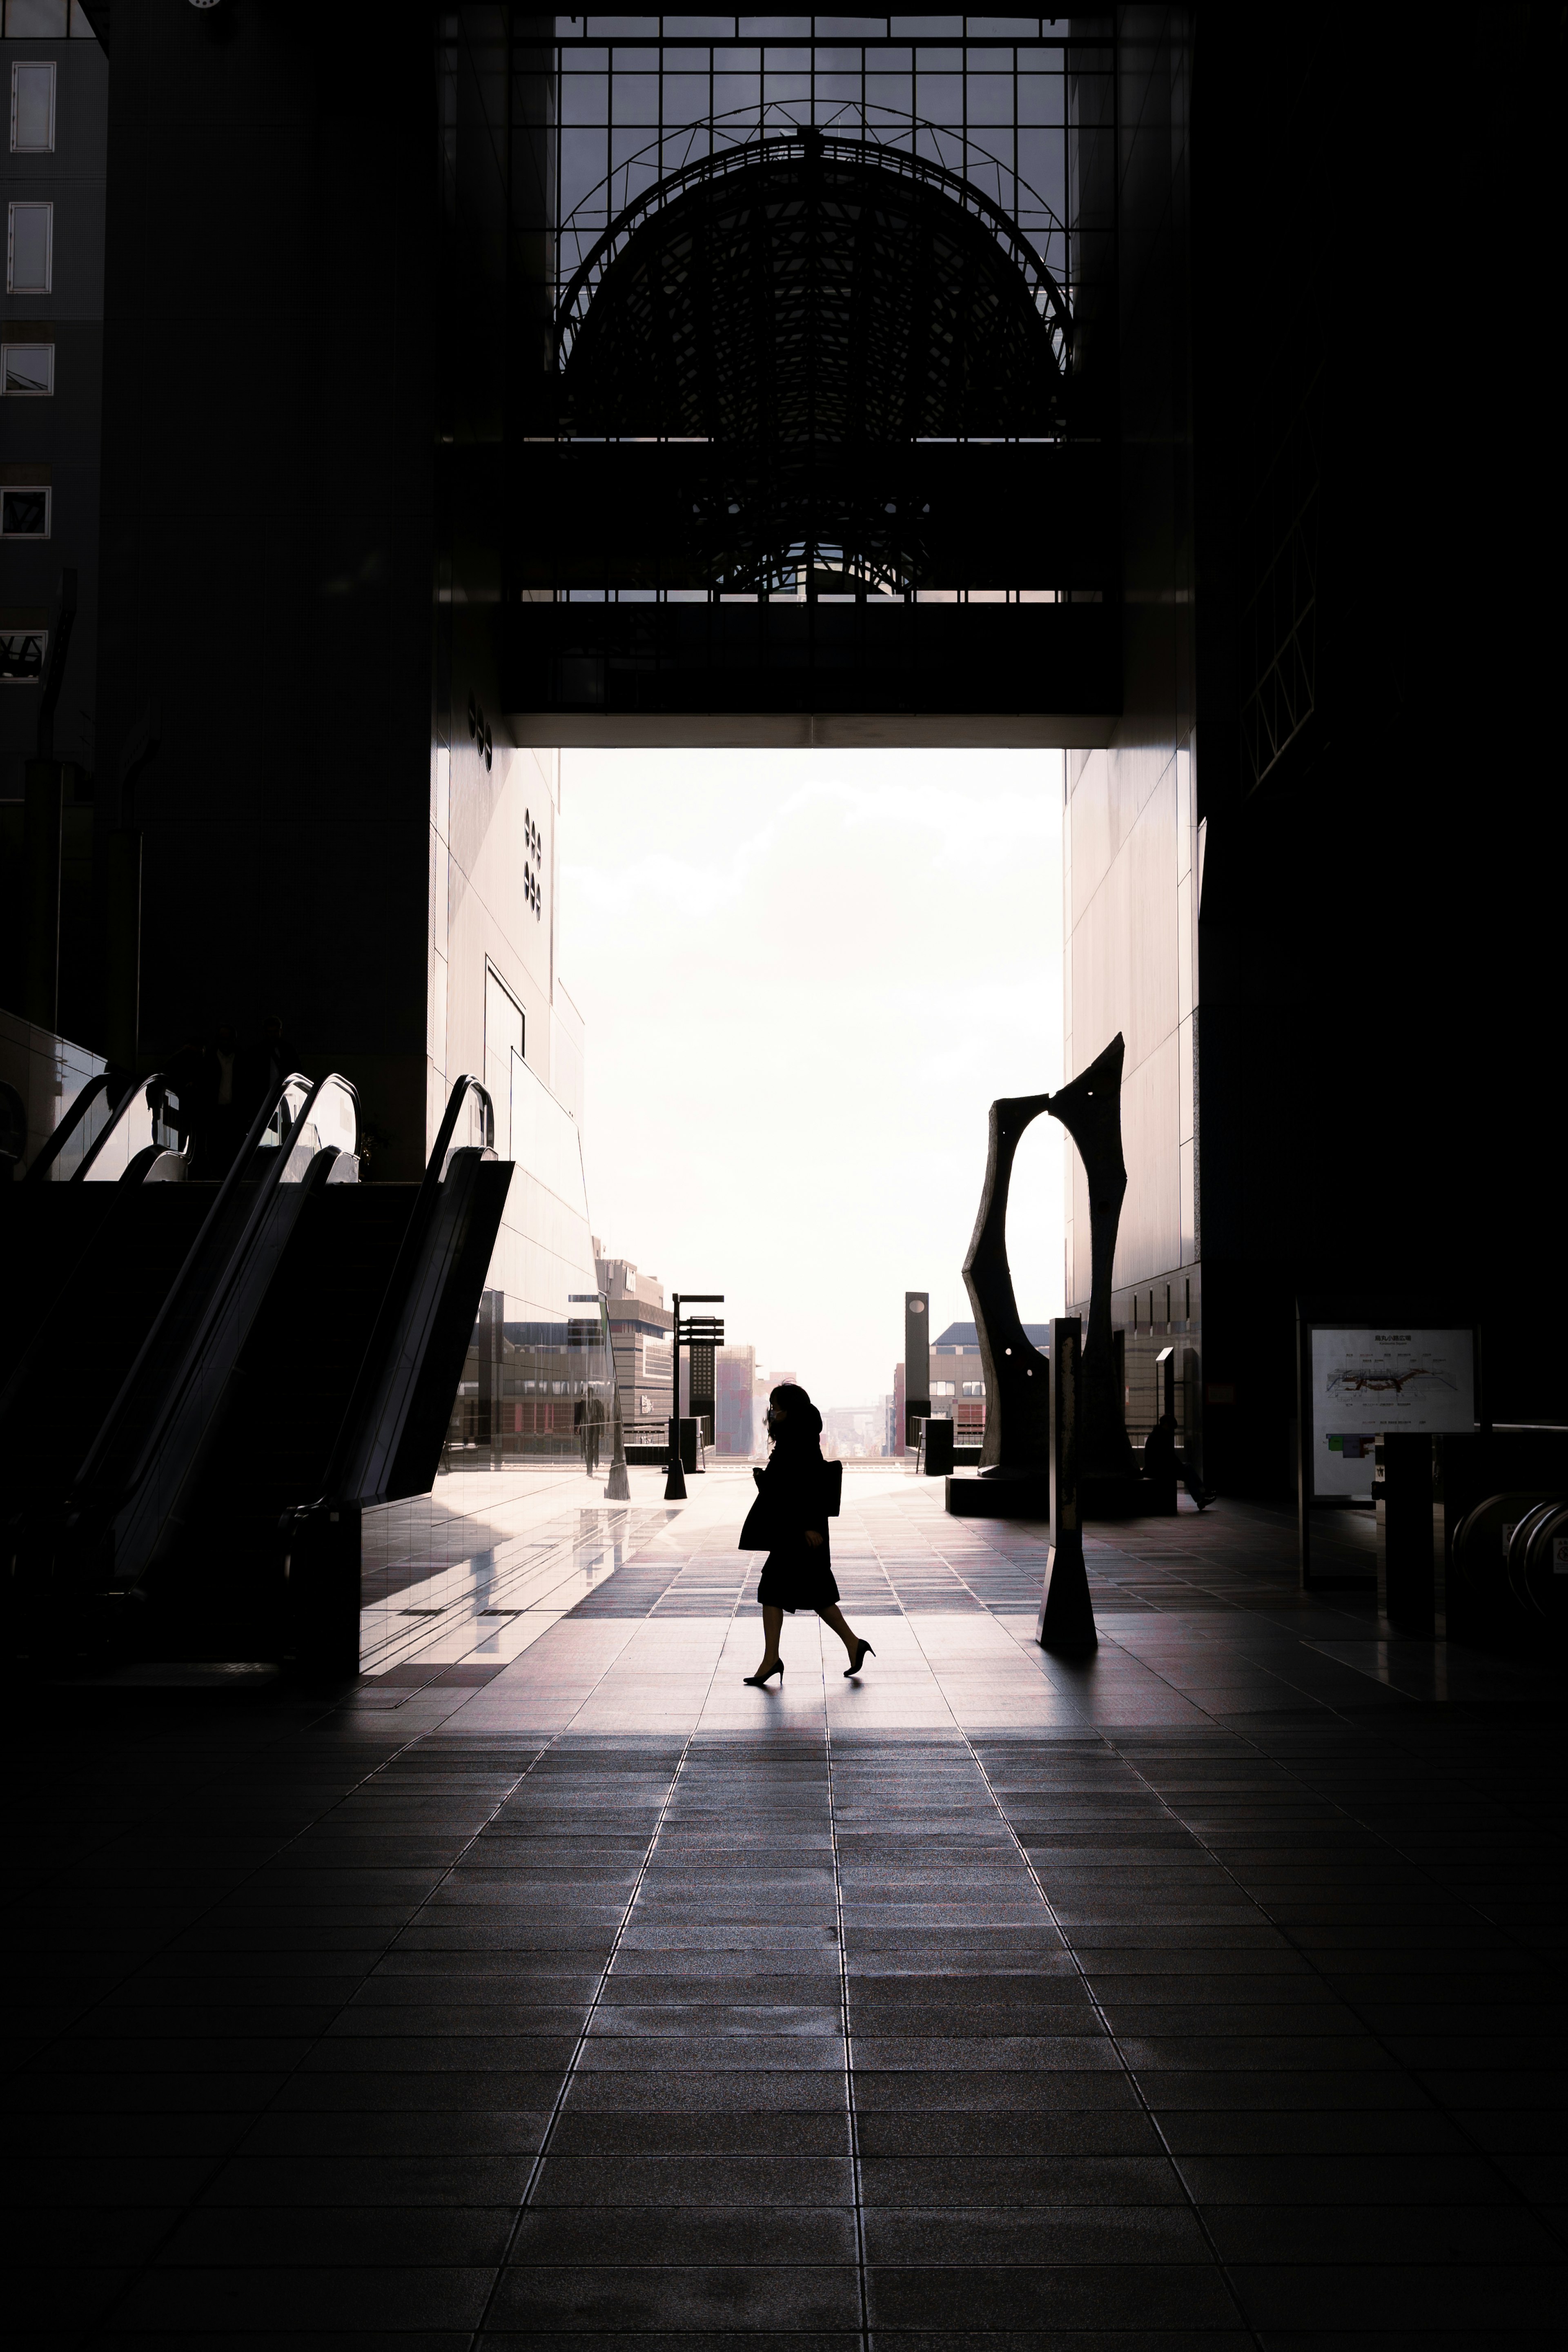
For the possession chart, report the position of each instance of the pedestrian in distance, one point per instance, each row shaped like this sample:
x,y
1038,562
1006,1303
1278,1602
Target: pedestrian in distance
x,y
790,1516
1162,1461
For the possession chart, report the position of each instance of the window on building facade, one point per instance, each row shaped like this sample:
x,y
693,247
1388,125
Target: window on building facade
x,y
22,652
24,512
942,1388
973,1388
48,20
27,368
38,20
33,106
29,249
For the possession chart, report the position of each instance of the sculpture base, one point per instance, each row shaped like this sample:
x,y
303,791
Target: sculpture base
x,y
1066,1623
1114,1495
1001,1495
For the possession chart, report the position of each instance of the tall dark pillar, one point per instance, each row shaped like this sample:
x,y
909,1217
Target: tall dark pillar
x,y
917,1362
44,825
492,1307
1407,1580
1067,1613
122,945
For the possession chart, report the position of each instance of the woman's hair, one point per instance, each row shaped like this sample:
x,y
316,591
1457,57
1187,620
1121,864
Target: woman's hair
x,y
805,1420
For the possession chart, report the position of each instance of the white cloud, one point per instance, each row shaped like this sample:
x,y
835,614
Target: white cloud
x,y
806,975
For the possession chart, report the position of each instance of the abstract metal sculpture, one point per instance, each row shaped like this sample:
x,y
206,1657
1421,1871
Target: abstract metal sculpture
x,y
1016,1375
1017,1412
1089,1107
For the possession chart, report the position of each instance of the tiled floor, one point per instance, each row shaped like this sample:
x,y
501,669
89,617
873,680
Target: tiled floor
x,y
1204,1995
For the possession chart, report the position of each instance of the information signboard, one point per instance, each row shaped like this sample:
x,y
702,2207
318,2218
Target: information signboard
x,y
1364,1383
1360,1377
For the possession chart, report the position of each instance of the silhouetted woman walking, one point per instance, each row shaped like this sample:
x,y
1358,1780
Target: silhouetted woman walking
x,y
791,1510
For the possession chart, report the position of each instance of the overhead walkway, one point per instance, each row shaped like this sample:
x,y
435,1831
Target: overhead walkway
x,y
202,1385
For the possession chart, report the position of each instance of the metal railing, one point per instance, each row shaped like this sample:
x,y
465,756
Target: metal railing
x,y
153,1403
1046,295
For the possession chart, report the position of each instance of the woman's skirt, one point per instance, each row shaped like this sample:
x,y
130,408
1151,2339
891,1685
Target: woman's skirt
x,y
798,1580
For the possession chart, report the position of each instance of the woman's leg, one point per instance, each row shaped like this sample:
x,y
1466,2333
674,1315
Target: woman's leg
x,y
835,1617
773,1626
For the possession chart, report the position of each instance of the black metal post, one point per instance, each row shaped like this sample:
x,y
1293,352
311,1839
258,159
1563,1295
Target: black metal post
x,y
675,1483
707,1330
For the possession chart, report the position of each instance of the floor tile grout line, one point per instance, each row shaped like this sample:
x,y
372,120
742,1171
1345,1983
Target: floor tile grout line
x,y
855,2178
345,1796
565,2090
231,2154
1122,2058
215,2168
1438,2107
1288,1773
1225,1727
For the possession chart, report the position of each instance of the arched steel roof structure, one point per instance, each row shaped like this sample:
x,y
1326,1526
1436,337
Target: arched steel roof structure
x,y
806,290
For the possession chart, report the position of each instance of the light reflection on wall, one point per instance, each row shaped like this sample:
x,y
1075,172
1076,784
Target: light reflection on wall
x,y
538,1370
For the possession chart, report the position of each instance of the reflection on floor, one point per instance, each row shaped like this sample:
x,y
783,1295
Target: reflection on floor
x,y
1201,1995
457,1582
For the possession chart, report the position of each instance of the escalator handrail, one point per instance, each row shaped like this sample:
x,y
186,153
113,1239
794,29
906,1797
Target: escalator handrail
x,y
461,1088
271,1179
350,1438
158,1078
101,1083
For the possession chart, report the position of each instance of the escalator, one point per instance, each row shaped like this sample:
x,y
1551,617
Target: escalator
x,y
92,1239
304,1349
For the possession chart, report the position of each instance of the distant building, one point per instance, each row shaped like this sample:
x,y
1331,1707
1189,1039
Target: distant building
x,y
958,1383
895,1434
852,1431
763,1382
640,1332
734,1400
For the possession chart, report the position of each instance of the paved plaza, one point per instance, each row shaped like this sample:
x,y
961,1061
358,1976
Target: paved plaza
x,y
565,1992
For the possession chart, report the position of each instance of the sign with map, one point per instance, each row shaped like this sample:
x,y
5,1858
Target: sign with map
x,y
1365,1382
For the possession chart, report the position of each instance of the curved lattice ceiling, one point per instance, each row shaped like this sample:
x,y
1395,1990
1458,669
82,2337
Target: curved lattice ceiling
x,y
813,291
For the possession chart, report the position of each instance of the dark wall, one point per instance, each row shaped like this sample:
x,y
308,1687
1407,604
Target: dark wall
x,y
268,527
55,439
1381,1024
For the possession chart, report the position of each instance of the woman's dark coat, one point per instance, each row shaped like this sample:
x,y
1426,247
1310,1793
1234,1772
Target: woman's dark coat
x,y
791,1498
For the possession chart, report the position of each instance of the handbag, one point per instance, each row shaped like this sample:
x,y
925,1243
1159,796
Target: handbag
x,y
755,1535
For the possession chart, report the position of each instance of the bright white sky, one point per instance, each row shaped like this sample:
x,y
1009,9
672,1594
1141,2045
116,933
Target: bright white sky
x,y
806,975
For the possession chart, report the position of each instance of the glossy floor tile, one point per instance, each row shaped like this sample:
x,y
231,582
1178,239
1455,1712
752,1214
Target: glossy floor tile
x,y
569,1992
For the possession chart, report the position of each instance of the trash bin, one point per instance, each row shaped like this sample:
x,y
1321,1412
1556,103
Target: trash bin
x,y
936,1460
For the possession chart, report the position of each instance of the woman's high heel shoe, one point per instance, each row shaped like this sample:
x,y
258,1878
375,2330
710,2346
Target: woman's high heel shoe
x,y
863,1651
759,1682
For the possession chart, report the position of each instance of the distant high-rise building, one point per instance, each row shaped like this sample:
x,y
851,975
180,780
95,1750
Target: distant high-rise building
x,y
852,1431
734,1419
762,1386
640,1326
897,1444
